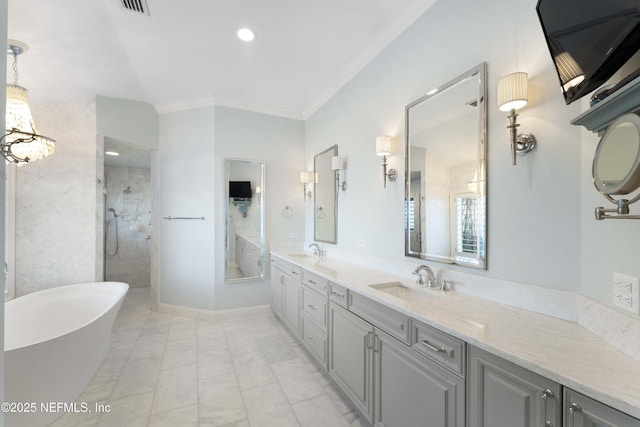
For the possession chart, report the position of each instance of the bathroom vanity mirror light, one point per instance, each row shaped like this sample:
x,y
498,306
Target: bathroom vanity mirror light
x,y
616,166
245,241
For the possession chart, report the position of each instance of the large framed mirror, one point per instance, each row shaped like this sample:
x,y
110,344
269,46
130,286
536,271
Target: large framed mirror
x,y
325,202
245,250
446,185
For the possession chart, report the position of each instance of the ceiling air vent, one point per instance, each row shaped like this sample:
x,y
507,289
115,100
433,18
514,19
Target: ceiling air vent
x,y
136,6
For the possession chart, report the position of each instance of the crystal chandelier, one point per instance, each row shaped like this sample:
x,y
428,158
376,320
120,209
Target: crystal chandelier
x,y
21,143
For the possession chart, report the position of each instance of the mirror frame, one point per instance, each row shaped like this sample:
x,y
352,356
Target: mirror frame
x,y
631,181
334,152
481,71
261,203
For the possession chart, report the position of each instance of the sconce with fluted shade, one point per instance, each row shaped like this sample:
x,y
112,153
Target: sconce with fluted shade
x,y
384,148
513,95
338,163
305,178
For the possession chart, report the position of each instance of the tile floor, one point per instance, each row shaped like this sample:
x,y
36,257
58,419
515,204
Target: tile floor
x,y
167,370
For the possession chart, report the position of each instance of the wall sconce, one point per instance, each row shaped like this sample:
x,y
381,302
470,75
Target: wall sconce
x,y
305,178
383,148
512,95
339,164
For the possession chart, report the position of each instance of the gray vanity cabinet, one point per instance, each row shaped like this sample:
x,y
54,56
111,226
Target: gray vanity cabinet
x,y
350,357
412,390
501,393
286,294
582,411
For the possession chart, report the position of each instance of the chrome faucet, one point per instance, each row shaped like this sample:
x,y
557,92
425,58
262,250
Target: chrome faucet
x,y
317,250
431,278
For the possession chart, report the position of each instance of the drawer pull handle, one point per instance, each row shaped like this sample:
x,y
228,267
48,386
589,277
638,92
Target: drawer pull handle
x,y
337,294
295,272
311,339
312,282
311,307
434,348
402,326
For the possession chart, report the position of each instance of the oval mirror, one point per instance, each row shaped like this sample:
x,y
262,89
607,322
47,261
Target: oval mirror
x,y
616,164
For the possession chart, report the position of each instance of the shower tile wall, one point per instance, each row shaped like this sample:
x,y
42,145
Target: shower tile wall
x,y
129,194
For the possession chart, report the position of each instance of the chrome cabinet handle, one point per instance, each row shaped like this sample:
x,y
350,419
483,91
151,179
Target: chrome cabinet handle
x,y
546,395
337,294
573,408
311,281
433,348
402,326
311,339
311,306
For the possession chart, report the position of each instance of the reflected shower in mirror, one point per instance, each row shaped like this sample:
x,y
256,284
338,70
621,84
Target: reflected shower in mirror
x,y
245,220
325,197
445,197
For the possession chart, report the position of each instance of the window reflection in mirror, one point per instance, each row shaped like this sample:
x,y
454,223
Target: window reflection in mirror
x,y
445,199
245,220
325,197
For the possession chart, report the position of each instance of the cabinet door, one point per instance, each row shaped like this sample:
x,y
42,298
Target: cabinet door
x,y
276,290
501,393
412,390
292,303
582,411
350,357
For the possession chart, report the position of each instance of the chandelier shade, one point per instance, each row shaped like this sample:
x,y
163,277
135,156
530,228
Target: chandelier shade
x,y
21,142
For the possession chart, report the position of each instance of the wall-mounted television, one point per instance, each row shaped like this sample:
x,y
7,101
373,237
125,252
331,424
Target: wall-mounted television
x,y
240,189
589,41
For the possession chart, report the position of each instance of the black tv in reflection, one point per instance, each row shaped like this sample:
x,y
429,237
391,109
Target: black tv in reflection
x,y
240,189
589,41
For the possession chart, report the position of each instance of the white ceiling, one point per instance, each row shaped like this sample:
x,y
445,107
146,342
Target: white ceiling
x,y
187,50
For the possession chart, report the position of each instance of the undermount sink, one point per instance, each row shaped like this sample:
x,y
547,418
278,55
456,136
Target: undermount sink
x,y
300,256
400,290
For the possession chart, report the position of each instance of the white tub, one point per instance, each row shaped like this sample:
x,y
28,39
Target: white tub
x,y
55,341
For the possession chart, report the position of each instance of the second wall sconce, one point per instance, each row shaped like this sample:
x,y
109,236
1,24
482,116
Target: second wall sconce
x,y
305,178
383,149
513,95
338,164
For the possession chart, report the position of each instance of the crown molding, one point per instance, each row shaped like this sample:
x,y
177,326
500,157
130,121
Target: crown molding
x,y
184,104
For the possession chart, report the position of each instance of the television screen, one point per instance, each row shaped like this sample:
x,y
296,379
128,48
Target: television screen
x,y
240,189
589,41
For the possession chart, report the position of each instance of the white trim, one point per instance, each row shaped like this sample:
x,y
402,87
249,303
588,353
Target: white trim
x,y
202,314
361,61
184,104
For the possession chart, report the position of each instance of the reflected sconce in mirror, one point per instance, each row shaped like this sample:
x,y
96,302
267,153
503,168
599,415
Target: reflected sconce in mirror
x,y
305,178
513,95
338,163
383,149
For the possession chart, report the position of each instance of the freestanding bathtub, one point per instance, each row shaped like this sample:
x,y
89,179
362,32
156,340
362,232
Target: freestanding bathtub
x,y
55,341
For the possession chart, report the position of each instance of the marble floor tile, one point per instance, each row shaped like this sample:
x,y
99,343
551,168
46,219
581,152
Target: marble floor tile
x,y
165,370
253,370
319,412
296,381
268,407
220,401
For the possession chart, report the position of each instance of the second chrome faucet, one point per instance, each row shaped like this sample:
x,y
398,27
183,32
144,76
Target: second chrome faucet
x,y
431,278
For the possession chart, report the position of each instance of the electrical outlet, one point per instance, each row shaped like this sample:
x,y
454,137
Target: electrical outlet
x,y
626,292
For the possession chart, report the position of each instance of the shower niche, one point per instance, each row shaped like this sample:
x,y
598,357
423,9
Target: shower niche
x,y
127,217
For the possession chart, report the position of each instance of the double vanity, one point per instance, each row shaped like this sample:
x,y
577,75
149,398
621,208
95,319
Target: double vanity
x,y
406,355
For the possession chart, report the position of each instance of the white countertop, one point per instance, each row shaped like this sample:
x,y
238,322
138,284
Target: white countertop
x,y
560,350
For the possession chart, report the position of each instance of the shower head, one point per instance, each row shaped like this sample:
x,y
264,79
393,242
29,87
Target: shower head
x,y
127,190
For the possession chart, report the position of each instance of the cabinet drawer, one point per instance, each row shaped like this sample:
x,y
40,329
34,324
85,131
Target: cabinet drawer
x,y
338,294
394,323
315,307
290,269
315,282
439,346
315,341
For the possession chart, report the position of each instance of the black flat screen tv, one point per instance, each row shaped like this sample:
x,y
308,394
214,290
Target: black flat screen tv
x,y
240,189
597,36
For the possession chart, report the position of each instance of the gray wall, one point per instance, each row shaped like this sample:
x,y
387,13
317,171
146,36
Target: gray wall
x,y
534,208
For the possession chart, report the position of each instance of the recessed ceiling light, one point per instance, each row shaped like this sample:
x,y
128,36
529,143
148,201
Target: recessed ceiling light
x,y
111,153
246,34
